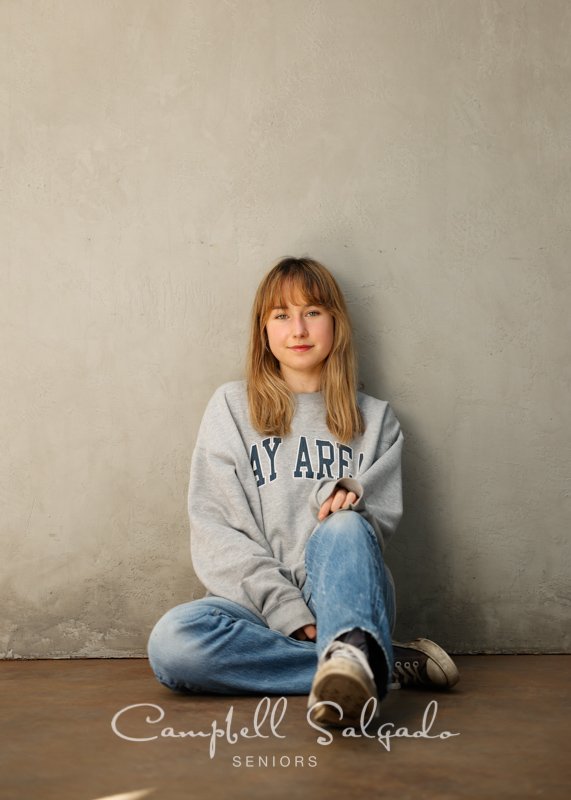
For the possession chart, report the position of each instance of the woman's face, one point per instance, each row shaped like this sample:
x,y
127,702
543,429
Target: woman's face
x,y
300,337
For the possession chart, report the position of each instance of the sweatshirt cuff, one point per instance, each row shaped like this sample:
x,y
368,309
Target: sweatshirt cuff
x,y
289,616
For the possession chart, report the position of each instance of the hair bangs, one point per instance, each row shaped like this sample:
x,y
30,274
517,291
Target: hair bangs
x,y
298,285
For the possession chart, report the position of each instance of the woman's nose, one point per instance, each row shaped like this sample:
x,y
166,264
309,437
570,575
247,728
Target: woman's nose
x,y
299,326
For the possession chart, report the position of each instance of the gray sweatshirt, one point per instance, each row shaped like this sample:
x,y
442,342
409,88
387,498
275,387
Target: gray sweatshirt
x,y
253,500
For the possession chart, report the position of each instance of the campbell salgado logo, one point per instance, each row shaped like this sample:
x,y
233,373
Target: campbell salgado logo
x,y
268,716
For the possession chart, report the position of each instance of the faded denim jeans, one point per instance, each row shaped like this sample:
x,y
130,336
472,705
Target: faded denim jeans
x,y
214,645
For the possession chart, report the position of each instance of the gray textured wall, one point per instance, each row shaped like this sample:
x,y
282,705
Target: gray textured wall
x,y
159,156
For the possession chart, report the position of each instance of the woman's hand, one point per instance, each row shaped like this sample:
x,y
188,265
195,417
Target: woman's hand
x,y
340,498
306,632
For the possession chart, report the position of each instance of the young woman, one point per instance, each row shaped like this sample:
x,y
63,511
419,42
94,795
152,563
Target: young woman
x,y
295,489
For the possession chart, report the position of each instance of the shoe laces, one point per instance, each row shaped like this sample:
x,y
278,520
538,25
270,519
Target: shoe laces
x,y
406,672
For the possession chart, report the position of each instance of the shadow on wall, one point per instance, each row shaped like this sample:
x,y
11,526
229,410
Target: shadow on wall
x,y
435,599
424,564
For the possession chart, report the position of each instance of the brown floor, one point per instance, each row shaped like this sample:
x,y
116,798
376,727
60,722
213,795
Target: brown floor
x,y
512,714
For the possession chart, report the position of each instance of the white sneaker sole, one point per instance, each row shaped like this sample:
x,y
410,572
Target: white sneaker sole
x,y
337,681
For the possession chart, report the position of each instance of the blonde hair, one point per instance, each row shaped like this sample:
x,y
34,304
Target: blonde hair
x,y
271,402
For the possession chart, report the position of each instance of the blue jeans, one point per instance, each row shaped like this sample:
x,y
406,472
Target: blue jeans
x,y
214,645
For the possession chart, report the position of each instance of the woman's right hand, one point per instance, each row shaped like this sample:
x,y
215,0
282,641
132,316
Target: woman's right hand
x,y
305,632
339,498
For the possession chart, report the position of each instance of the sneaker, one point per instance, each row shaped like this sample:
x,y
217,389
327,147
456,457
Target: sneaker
x,y
423,663
345,677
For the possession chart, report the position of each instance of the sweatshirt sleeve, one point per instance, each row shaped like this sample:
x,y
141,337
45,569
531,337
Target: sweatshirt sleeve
x,y
378,485
230,554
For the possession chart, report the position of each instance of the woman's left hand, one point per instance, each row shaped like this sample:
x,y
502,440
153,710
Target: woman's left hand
x,y
305,632
340,498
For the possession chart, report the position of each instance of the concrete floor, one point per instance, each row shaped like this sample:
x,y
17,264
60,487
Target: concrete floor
x,y
512,714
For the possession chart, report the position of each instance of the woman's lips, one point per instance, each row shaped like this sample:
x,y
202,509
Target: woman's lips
x,y
302,348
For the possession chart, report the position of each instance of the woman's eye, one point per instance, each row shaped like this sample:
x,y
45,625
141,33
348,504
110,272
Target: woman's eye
x,y
316,313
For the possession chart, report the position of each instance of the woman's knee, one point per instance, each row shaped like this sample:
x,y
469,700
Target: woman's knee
x,y
344,522
342,530
175,648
